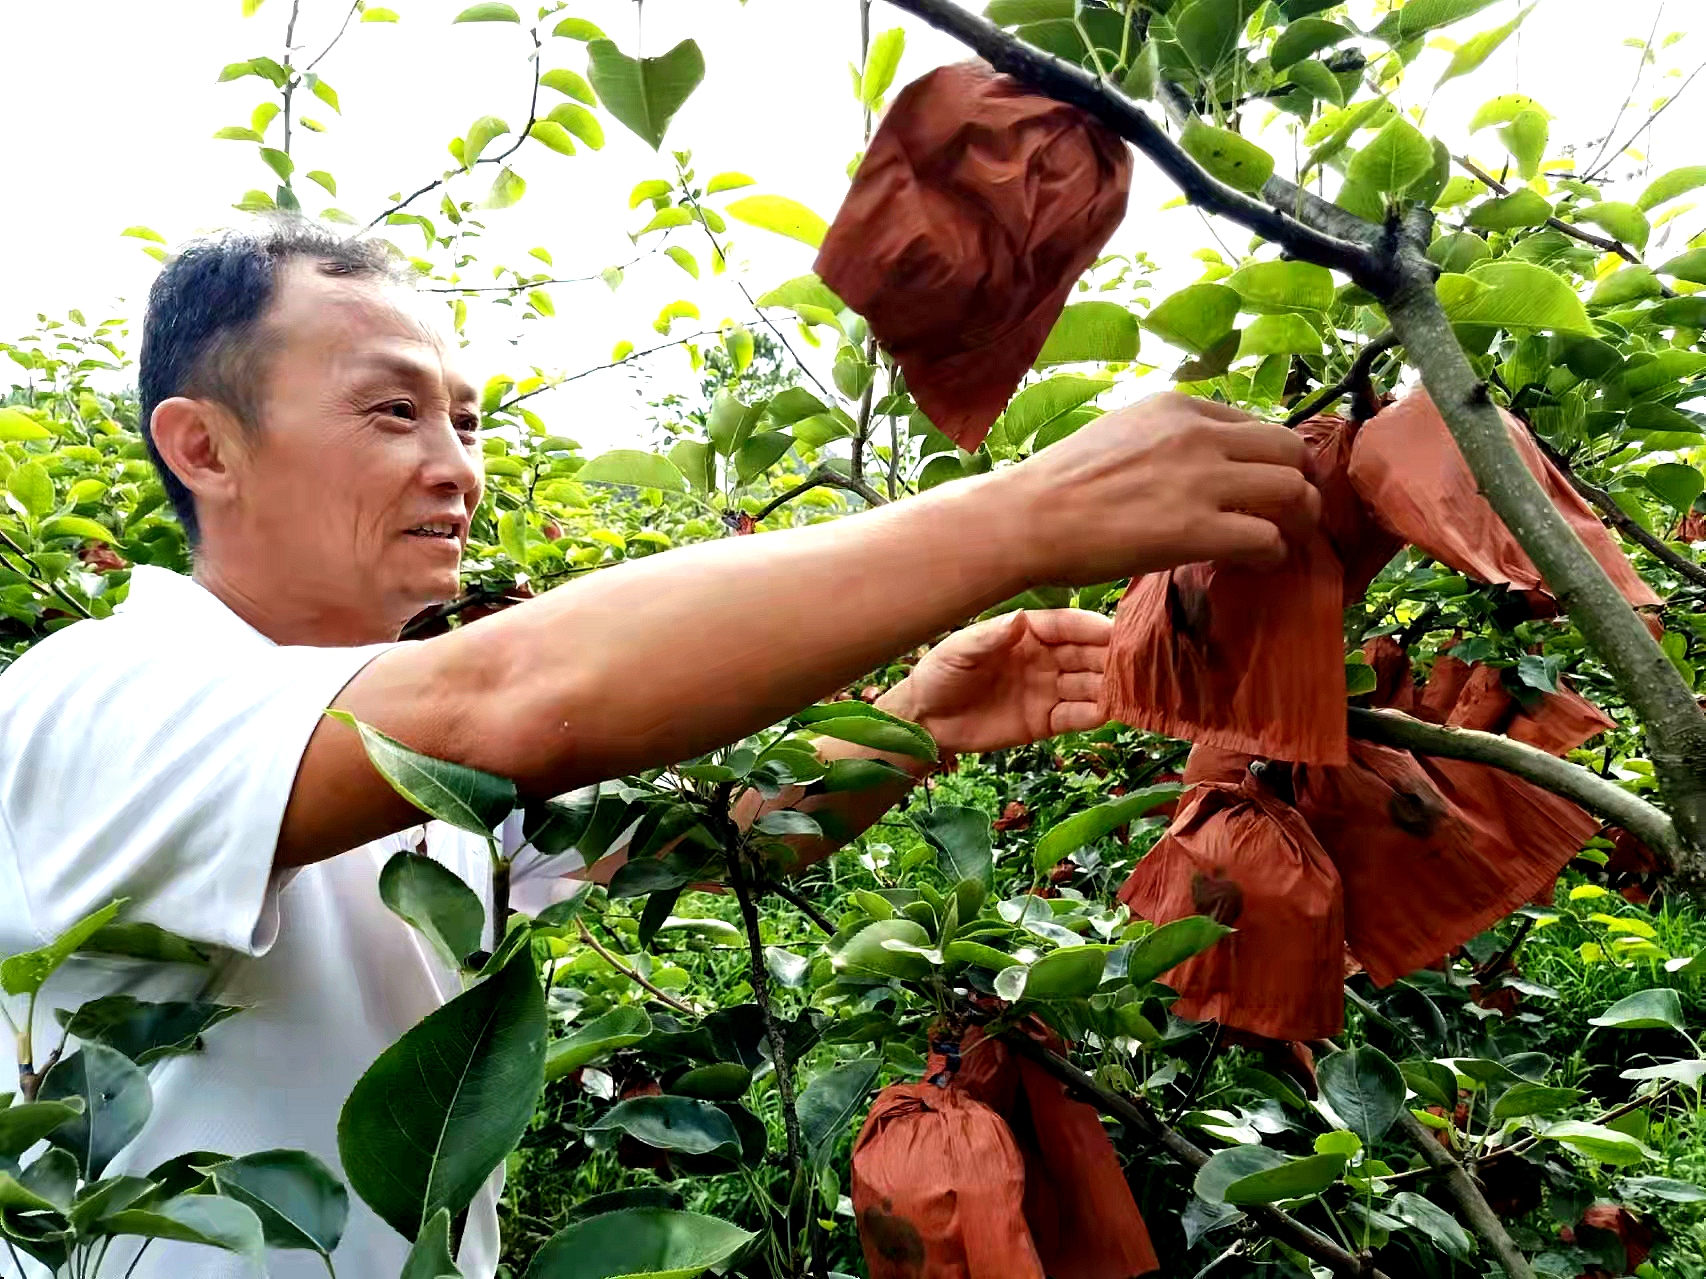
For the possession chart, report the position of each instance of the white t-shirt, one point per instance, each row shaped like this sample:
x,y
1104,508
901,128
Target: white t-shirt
x,y
150,756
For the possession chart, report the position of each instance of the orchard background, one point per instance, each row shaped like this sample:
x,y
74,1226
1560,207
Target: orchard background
x,y
625,248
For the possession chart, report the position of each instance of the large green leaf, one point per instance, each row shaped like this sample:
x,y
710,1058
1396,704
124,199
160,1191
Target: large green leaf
x,y
209,1220
1295,1179
1690,266
866,725
1231,157
829,1103
116,1103
1072,972
1086,331
636,467
1228,1167
779,214
1434,1222
431,1258
25,1123
1521,208
471,1071
436,902
1283,286
1208,30
300,1203
1629,284
1170,945
1195,318
490,12
668,1122
866,957
1624,221
1517,295
638,1243
16,425
454,793
143,1031
803,290
1658,1008
1305,38
645,93
759,452
1093,823
1399,154
616,1029
960,838
1605,1145
1525,137
1666,187
479,136
1041,403
24,974
1282,334
1421,16
1676,484
1365,1088
881,63
144,941
1525,1098
1469,55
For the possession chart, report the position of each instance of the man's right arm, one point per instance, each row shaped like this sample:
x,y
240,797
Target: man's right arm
x,y
682,652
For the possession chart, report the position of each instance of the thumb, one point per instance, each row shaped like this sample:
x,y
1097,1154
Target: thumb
x,y
994,637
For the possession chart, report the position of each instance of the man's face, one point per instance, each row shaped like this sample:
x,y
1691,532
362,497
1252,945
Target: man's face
x,y
365,470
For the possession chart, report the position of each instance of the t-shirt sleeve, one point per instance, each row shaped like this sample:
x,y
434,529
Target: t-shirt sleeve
x,y
158,777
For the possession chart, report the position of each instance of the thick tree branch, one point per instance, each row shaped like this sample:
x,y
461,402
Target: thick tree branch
x,y
1605,244
1481,1217
1137,1116
1127,118
1624,522
1354,380
1599,796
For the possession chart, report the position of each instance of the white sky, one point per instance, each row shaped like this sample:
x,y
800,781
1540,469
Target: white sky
x,y
110,105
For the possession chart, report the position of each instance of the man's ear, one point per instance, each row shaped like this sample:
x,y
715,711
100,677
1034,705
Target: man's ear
x,y
199,441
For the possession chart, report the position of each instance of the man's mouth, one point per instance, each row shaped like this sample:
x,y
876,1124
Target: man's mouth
x,y
444,531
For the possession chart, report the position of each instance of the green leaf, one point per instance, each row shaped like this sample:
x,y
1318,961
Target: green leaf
x,y
1433,1083
208,1220
867,725
486,13
617,1029
1691,266
1093,823
1604,1145
1421,16
430,1258
1170,945
1521,208
792,405
667,1122
578,29
638,1243
1232,158
698,462
1283,334
1086,331
803,290
1196,318
325,93
1208,30
32,487
1283,286
236,133
116,1101
479,137
1072,972
645,93
881,62
1434,1222
1629,284
865,956
24,974
730,181
829,1104
552,135
1295,1179
1044,401
1526,137
143,1031
1676,484
436,902
376,13
1668,186
1013,13
1226,1168
1469,55
1305,38
960,838
977,954
1518,295
683,259
580,122
507,188
15,425
464,797
862,774
1525,1099
22,1124
759,452
1624,221
1365,1088
300,1203
632,466
779,214
144,941
1666,1188
472,1072
1399,154
720,1081
570,84
1659,1007
1317,81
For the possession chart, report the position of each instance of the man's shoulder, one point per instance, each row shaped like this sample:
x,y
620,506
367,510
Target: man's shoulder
x,y
86,646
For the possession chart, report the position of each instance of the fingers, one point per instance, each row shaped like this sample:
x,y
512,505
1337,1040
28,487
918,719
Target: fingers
x,y
1251,441
1079,686
1069,626
1278,494
987,638
1243,539
1076,717
1215,409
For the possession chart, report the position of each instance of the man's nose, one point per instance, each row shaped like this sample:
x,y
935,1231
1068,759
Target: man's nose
x,y
451,465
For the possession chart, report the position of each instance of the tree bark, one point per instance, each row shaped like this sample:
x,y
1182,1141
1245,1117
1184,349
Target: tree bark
x,y
1482,1218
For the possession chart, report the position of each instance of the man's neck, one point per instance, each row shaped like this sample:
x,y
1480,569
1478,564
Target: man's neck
x,y
287,612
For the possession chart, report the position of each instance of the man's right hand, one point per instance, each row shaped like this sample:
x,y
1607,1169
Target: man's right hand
x,y
1167,481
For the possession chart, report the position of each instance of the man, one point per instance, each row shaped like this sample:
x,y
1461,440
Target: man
x,y
322,450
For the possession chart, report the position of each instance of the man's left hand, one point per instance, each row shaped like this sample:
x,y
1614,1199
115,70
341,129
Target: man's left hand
x,y
1008,681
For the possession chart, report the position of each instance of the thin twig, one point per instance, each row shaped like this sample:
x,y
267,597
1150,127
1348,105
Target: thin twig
x,y
1605,244
535,284
1640,72
799,903
1630,141
629,973
821,477
1622,521
601,368
1494,966
353,10
1354,377
49,586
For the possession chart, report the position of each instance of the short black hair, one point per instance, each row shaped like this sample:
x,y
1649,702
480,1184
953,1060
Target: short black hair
x,y
204,336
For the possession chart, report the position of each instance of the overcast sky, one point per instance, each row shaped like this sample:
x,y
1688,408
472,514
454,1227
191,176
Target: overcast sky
x,y
109,107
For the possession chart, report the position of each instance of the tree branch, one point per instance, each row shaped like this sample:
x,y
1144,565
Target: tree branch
x,y
1647,124
1624,522
1640,71
1599,796
45,584
600,368
320,57
1073,85
1605,244
1354,380
535,284
799,903
1476,1210
1139,1117
628,972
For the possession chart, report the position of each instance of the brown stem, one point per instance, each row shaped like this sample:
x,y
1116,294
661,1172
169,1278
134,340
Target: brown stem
x,y
1137,1116
629,973
1647,123
1356,379
799,903
1596,794
862,428
601,368
821,477
46,585
1482,1219
1603,243
1624,522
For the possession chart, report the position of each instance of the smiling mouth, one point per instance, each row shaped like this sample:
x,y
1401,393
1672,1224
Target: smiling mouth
x,y
436,532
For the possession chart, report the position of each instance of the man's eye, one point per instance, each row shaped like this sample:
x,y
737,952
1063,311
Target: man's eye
x,y
399,409
467,425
